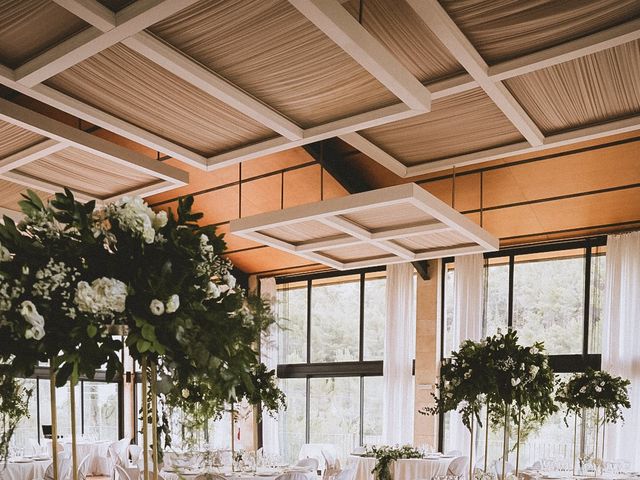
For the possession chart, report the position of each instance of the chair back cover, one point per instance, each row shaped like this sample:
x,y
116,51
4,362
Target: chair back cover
x,y
458,466
311,463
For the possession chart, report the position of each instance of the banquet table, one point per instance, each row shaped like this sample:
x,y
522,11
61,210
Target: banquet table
x,y
403,469
97,451
23,469
260,474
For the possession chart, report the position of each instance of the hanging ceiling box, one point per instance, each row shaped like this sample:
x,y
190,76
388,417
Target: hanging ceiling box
x,y
397,224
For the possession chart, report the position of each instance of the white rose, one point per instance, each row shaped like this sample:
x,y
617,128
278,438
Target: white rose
x,y
515,382
173,303
583,390
212,290
5,255
230,280
160,220
534,350
36,332
156,307
30,314
84,298
533,370
149,235
185,393
598,389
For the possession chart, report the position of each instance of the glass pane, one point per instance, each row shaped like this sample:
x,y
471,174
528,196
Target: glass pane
x,y
101,410
334,415
292,311
372,411
375,314
598,271
335,319
449,296
63,410
548,300
291,422
497,296
26,431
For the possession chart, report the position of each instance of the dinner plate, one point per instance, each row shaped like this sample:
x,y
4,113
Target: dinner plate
x,y
21,460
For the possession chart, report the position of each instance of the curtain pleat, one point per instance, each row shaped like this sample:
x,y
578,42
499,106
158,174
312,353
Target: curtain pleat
x,y
269,356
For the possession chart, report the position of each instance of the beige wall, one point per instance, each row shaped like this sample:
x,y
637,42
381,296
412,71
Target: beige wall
x,y
427,353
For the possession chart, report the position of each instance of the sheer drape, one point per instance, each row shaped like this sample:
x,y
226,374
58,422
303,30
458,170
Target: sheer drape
x,y
621,339
269,356
467,324
399,352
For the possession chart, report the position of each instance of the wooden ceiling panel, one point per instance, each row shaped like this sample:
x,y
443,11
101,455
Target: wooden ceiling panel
x,y
85,172
269,49
267,259
332,188
459,124
13,139
590,90
302,186
396,26
504,29
29,27
233,241
260,196
275,161
125,84
467,191
11,193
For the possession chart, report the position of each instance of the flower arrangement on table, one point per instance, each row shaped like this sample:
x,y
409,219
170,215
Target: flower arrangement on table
x,y
595,389
386,455
513,382
72,273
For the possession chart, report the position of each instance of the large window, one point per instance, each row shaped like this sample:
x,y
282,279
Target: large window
x,y
550,293
330,350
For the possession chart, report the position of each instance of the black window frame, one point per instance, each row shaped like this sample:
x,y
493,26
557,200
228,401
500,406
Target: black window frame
x,y
359,369
567,363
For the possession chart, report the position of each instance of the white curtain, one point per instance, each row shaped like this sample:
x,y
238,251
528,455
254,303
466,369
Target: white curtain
x,y
399,352
269,356
468,306
621,339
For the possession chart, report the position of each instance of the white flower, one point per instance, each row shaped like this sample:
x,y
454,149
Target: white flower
x,y
149,235
25,270
160,220
212,290
598,388
103,296
583,390
533,370
230,280
515,382
5,255
534,350
156,307
173,303
30,314
185,393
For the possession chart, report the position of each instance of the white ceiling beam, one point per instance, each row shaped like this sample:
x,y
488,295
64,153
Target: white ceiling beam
x,y
335,22
439,22
375,153
30,154
363,234
129,21
61,132
553,141
144,191
596,42
43,185
177,63
91,11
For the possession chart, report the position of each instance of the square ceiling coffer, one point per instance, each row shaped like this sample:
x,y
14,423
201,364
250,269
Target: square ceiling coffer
x,y
396,224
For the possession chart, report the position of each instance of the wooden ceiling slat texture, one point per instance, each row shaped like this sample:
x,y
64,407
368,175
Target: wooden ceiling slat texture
x,y
267,48
12,194
594,89
463,123
396,26
85,172
14,139
504,29
29,27
125,84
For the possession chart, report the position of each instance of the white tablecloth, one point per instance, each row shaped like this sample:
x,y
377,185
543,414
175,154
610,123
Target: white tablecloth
x,y
23,471
235,476
97,451
403,469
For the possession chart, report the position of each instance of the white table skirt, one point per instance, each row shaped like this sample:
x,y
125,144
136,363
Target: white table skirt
x,y
97,451
24,471
403,469
235,476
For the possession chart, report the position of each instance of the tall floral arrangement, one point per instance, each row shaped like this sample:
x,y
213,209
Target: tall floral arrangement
x,y
73,272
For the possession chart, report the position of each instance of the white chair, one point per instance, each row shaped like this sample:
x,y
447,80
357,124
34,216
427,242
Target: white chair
x,y
497,466
64,468
121,473
458,466
83,467
134,454
348,473
311,463
332,464
292,476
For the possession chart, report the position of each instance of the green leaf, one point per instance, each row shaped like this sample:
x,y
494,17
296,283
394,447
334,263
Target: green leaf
x,y
149,332
92,330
